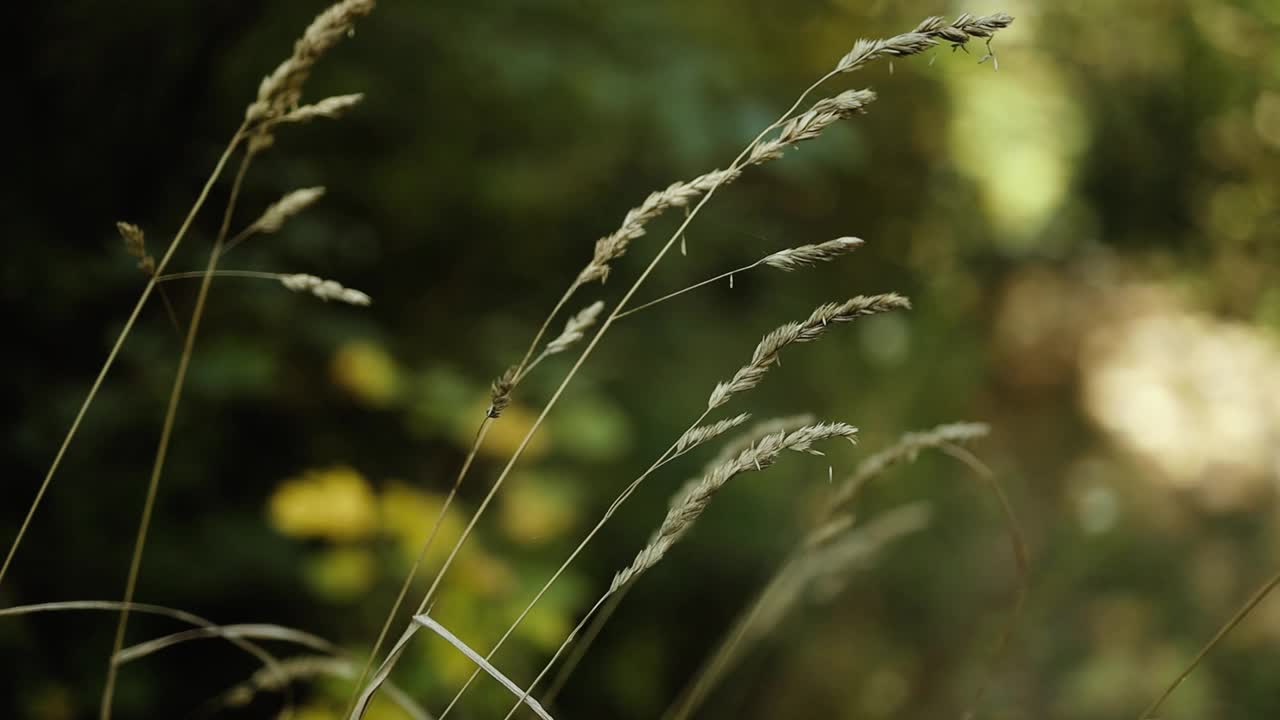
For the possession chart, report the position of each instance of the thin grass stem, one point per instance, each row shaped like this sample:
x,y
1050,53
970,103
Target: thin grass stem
x,y
1021,562
166,433
691,698
197,274
417,562
580,650
547,668
182,616
1258,596
695,286
119,343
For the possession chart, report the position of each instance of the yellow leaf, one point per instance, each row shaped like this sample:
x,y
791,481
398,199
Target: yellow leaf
x,y
334,503
366,371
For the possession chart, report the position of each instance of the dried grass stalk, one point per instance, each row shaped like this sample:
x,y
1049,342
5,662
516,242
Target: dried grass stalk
x,y
279,92
792,259
330,107
926,35
811,123
805,127
275,216
787,260
788,586
757,457
698,435
755,434
500,392
739,443
905,449
766,353
269,661
324,289
830,553
253,631
678,194
135,244
575,328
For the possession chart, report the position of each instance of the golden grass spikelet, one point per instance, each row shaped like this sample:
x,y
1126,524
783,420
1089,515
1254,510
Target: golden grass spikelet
x,y
330,107
810,123
682,516
766,352
500,392
805,126
678,194
575,327
792,259
701,434
905,449
135,243
926,35
275,216
324,289
279,92
754,434
741,442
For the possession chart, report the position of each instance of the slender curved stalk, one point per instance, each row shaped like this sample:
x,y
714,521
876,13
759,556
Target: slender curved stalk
x,y
119,343
257,651
195,274
1258,596
168,310
240,237
695,286
1020,557
166,433
259,631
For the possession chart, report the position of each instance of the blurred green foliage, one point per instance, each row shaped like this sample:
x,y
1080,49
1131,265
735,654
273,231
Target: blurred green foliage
x,y
1088,236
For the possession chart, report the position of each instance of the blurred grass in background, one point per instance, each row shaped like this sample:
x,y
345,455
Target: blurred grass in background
x,y
1088,236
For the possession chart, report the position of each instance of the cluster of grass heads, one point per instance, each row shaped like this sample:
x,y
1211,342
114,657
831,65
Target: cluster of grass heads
x,y
838,542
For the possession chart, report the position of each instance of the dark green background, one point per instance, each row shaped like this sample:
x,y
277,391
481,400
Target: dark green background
x,y
1123,162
